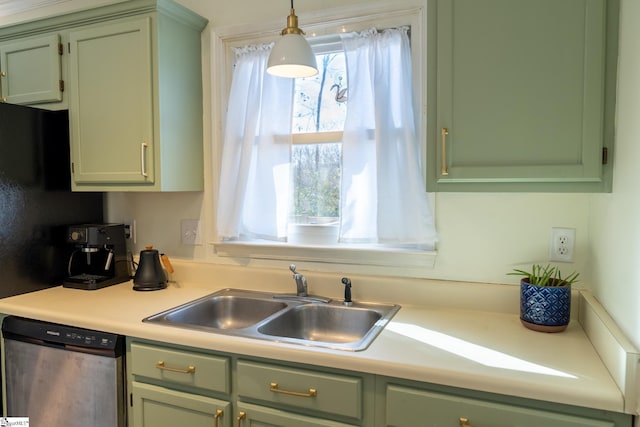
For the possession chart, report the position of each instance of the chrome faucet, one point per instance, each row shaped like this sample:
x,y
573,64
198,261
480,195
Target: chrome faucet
x,y
301,282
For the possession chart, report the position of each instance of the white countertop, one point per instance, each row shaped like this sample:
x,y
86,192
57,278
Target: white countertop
x,y
486,351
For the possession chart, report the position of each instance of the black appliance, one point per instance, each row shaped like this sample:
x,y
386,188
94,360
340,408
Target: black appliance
x,y
100,256
36,202
150,275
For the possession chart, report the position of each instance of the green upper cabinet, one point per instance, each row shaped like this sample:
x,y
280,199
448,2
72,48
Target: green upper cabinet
x,y
30,70
112,119
136,103
524,95
133,86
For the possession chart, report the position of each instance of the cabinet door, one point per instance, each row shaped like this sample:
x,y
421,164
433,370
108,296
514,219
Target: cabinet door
x,y
407,407
521,94
258,416
30,70
157,406
111,77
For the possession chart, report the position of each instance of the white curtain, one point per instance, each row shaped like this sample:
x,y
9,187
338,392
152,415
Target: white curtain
x,y
384,199
253,197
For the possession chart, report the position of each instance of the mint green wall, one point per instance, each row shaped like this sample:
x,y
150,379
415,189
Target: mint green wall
x,y
614,249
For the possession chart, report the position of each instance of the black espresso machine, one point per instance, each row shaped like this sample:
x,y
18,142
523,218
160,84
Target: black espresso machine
x,y
99,258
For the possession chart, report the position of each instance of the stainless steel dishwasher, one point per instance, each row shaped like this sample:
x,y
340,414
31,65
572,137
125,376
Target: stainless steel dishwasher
x,y
63,376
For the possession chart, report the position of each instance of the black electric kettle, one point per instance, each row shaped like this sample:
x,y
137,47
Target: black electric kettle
x,y
150,274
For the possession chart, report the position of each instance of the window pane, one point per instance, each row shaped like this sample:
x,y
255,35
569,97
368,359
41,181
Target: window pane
x,y
320,101
316,170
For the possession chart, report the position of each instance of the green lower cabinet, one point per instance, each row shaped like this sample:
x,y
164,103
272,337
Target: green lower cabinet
x,y
172,385
158,406
405,406
249,415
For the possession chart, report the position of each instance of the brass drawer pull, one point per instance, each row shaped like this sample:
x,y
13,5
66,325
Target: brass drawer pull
x,y
311,393
241,416
217,415
464,422
444,132
188,370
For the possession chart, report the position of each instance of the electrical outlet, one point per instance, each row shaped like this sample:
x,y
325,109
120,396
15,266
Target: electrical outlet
x,y
130,231
562,244
190,232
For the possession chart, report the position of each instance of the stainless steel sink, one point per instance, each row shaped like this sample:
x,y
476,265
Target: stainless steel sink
x,y
223,311
322,322
282,318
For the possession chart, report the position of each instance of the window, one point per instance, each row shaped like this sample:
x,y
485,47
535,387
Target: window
x,y
319,112
331,161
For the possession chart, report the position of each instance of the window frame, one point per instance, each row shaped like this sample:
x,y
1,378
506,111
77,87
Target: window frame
x,y
348,258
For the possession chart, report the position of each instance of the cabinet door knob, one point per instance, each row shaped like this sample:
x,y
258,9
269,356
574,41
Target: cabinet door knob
x,y
464,422
3,74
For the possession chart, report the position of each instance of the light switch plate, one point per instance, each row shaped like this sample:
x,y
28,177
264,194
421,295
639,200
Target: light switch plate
x,y
190,232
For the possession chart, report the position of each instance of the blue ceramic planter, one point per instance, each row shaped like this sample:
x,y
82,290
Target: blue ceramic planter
x,y
545,308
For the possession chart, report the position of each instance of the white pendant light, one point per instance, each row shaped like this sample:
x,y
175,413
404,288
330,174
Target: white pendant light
x,y
292,56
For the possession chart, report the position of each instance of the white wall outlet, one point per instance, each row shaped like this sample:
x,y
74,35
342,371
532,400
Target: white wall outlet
x,y
190,232
562,244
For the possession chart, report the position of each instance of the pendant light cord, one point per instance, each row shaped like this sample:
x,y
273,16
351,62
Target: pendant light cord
x,y
291,4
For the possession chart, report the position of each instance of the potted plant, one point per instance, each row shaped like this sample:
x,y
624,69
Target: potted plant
x,y
545,298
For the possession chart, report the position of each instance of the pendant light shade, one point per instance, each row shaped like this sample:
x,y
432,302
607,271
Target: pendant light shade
x,y
292,56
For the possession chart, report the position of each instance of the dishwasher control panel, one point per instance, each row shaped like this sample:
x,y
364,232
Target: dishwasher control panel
x,y
54,334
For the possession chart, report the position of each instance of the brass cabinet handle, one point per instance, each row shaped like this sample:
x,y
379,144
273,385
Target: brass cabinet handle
x,y
311,393
241,416
3,99
444,132
217,415
464,422
143,158
3,74
188,370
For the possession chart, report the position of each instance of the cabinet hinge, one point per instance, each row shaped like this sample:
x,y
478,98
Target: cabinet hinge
x,y
605,155
60,49
131,399
61,85
73,168
68,47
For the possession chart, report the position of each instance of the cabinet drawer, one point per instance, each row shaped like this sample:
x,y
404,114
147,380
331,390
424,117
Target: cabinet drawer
x,y
311,390
181,367
408,407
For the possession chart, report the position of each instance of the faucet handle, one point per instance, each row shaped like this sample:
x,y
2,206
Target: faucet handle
x,y
292,267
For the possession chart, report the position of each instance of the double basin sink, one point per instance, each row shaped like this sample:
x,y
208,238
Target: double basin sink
x,y
310,321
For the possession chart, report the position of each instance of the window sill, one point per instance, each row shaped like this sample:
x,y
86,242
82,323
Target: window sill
x,y
345,258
